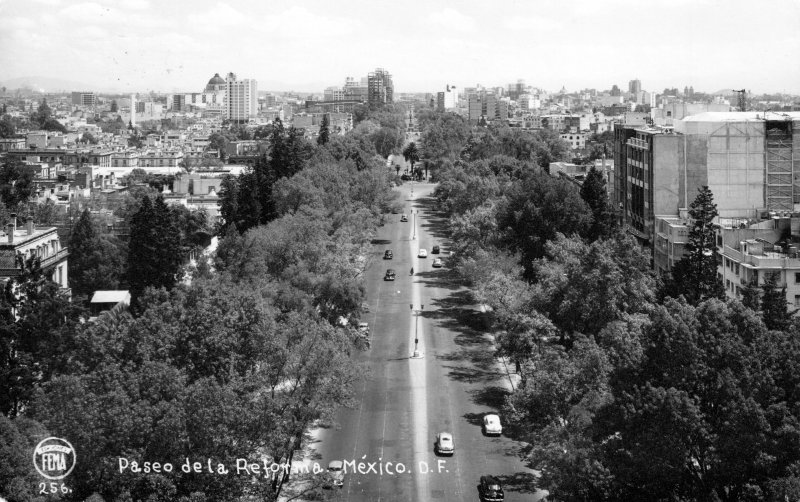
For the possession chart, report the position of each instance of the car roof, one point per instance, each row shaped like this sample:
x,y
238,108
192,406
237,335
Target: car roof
x,y
335,464
491,418
490,480
389,270
445,436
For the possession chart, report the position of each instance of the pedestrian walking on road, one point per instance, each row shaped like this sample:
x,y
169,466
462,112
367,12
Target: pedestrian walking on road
x,y
412,270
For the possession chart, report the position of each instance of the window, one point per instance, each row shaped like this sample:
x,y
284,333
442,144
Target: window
x,y
797,300
737,269
797,277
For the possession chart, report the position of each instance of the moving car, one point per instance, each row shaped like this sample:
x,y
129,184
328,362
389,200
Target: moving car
x,y
435,250
491,425
444,444
422,253
404,218
388,255
437,263
336,470
490,489
389,275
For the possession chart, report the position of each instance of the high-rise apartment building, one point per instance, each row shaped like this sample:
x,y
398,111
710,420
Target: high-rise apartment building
x,y
380,89
241,98
635,87
447,100
84,99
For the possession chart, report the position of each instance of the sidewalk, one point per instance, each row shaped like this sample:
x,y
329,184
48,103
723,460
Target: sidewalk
x,y
506,366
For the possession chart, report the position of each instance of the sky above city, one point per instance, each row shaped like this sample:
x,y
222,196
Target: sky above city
x,y
307,45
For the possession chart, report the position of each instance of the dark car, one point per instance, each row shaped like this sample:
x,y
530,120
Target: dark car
x,y
388,255
389,275
404,218
490,489
435,250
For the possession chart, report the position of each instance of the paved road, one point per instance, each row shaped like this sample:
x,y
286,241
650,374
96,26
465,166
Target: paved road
x,y
405,401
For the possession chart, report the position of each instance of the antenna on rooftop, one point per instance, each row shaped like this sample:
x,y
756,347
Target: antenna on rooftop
x,y
742,99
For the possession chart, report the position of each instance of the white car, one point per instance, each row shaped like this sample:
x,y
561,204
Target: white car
x,y
437,263
491,425
336,470
422,253
444,444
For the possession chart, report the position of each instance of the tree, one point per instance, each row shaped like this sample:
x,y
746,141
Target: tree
x,y
535,210
18,481
594,193
16,184
88,138
324,133
7,128
37,324
411,154
96,260
695,275
751,296
774,308
154,254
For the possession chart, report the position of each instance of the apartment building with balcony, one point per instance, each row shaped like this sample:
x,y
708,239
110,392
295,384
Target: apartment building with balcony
x,y
753,250
30,240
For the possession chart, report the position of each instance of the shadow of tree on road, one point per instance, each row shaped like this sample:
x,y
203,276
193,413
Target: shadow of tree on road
x,y
492,397
520,482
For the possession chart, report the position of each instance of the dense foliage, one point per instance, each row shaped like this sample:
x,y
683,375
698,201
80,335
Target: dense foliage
x,y
240,361
626,393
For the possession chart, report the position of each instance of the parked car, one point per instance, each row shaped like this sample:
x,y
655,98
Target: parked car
x,y
491,425
422,253
404,218
388,255
336,471
444,444
389,275
490,489
435,250
438,263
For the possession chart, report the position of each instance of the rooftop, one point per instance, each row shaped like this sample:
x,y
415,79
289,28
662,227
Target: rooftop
x,y
741,116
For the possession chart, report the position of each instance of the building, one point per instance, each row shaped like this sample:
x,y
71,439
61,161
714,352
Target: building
x,y
88,99
635,87
380,89
447,100
753,250
576,140
241,98
668,113
41,242
749,160
486,105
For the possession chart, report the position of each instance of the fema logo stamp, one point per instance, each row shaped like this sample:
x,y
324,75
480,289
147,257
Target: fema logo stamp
x,y
54,458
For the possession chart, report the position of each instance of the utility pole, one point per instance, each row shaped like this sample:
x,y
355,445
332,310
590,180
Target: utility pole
x,y
417,312
414,223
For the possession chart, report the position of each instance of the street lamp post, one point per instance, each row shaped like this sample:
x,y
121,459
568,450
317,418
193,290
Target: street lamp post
x,y
417,313
414,223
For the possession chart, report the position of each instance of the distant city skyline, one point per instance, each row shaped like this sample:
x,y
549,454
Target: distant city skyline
x,y
307,45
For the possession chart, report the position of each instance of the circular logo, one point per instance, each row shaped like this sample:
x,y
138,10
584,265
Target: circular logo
x,y
54,458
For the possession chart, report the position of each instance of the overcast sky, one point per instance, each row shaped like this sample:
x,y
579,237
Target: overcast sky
x,y
177,45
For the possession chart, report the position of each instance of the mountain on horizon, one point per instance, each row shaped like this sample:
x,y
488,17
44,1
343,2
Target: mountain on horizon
x,y
46,84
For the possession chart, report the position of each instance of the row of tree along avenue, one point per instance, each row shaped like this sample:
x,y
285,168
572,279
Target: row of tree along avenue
x,y
233,358
633,386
